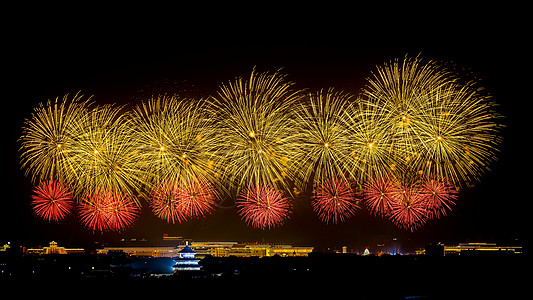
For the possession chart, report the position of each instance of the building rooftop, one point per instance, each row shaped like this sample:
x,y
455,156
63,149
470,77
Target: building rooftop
x,y
187,249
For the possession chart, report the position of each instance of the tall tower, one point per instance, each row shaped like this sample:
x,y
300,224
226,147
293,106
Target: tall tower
x,y
186,260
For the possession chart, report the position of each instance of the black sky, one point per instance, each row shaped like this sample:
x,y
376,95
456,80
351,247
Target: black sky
x,y
114,62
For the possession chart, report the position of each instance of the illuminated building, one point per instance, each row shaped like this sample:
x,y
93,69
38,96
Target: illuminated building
x,y
288,250
54,249
481,248
216,249
143,251
186,260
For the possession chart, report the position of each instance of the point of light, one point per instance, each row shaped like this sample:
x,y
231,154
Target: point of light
x,y
251,134
326,145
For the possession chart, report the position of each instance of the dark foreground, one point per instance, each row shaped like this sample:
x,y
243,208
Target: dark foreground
x,y
319,275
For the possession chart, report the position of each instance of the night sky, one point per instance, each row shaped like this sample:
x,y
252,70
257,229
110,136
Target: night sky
x,y
122,63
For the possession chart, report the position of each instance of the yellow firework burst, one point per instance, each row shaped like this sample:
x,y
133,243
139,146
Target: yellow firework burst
x,y
49,137
371,148
256,131
176,139
434,123
324,137
105,154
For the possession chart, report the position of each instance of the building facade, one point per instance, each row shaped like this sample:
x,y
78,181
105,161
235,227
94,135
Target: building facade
x,y
481,248
53,248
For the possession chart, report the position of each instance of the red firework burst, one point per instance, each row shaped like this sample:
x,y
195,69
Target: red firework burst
x,y
122,210
102,211
379,195
263,207
93,212
196,198
438,195
164,202
178,201
334,200
52,200
409,211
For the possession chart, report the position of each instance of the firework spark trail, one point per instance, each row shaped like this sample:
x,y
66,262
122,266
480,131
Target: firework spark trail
x,y
263,207
334,200
52,200
256,131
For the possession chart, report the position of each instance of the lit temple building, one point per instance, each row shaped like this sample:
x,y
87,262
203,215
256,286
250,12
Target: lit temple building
x,y
186,260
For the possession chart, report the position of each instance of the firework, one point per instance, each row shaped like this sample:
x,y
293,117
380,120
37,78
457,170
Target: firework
x,y
371,152
256,132
103,210
176,140
48,138
262,206
122,210
164,202
106,154
325,141
379,194
438,195
409,210
52,200
334,200
93,212
196,198
415,135
172,200
435,123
